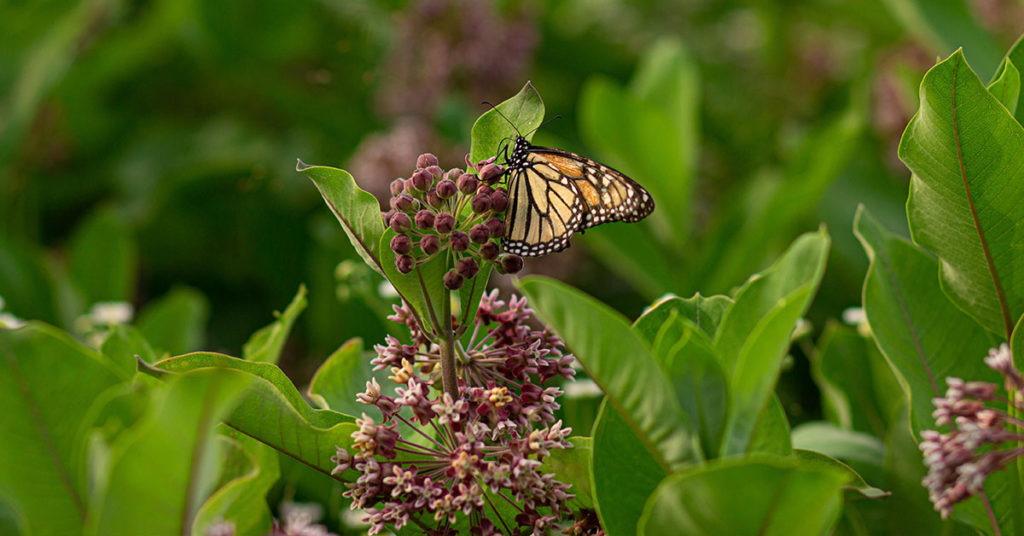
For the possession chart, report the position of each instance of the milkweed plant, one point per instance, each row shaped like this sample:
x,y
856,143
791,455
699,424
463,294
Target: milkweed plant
x,y
459,421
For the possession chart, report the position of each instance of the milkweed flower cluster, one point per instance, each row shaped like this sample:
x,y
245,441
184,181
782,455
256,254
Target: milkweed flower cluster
x,y
983,440
437,461
454,212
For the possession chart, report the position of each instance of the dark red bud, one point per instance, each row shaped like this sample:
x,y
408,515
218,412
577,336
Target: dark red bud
x,y
481,203
511,263
403,202
401,244
446,189
424,219
430,244
489,251
400,222
453,174
468,267
387,216
460,241
499,200
490,173
444,223
421,180
433,199
435,171
467,183
426,160
397,186
496,227
484,190
404,263
452,280
479,233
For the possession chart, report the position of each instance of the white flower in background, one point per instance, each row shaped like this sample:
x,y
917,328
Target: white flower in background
x,y
582,388
855,316
9,321
386,290
111,313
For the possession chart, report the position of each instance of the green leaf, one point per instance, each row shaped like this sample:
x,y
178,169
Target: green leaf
x,y
102,256
266,344
772,433
833,441
1016,57
243,500
922,335
174,445
705,312
966,152
423,288
25,283
175,322
619,361
357,211
471,292
572,466
526,112
856,484
1005,85
273,412
340,378
123,343
945,25
48,381
755,332
623,471
762,495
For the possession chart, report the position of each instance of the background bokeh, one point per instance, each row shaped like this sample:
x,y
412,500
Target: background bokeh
x,y
147,149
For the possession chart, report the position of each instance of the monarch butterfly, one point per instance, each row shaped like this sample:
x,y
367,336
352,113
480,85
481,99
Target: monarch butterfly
x,y
554,193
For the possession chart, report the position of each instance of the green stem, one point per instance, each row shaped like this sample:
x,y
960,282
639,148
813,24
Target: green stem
x,y
449,379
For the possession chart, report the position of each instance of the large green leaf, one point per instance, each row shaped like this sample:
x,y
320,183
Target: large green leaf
x,y
705,312
242,500
1016,57
122,343
762,495
357,211
966,200
273,412
846,445
102,257
174,445
48,381
525,111
623,471
175,323
619,360
423,288
266,344
754,334
772,432
1005,85
341,376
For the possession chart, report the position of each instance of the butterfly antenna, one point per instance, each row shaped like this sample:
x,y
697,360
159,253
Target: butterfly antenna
x,y
503,116
544,123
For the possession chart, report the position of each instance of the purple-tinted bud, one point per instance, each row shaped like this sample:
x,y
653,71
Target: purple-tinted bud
x,y
499,200
453,174
452,280
496,227
444,223
446,189
397,186
400,222
421,180
481,203
424,219
467,183
479,233
433,199
401,244
426,160
460,241
484,190
402,203
404,263
430,244
511,263
489,251
468,268
435,171
490,173
386,216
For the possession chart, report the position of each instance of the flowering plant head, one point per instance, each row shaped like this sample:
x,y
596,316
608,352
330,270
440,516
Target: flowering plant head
x,y
431,459
983,439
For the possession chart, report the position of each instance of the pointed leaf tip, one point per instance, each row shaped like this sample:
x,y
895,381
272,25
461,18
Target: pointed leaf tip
x,y
301,166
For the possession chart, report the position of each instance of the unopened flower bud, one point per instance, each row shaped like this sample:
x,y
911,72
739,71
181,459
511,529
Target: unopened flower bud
x,y
421,180
484,189
452,280
401,244
468,267
444,223
481,203
400,222
433,199
496,227
386,216
424,219
489,251
430,244
446,189
435,171
402,203
426,160
490,173
453,174
460,241
397,186
499,200
479,233
467,183
511,263
404,263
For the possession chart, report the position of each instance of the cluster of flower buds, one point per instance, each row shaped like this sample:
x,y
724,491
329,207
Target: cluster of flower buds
x,y
456,213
